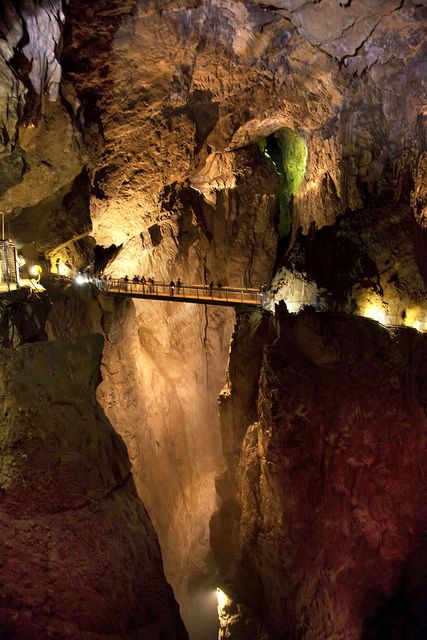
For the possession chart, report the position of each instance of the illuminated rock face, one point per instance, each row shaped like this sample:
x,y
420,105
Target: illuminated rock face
x,y
162,371
79,556
323,497
41,151
153,142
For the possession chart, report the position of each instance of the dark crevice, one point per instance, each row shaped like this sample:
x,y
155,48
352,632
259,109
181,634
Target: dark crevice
x,y
104,256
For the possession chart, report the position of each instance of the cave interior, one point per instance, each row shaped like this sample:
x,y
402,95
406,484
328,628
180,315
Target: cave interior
x,y
213,320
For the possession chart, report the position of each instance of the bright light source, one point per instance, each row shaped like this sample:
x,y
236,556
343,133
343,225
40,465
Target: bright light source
x,y
79,279
412,318
36,270
222,598
374,312
294,307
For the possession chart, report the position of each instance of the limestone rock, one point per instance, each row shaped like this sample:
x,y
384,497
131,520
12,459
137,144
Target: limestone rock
x,y
22,318
326,478
155,134
79,556
163,368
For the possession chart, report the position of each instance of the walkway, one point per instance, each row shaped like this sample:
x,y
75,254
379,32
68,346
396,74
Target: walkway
x,y
201,294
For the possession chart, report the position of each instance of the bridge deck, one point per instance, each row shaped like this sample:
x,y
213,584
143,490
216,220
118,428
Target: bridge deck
x,y
199,294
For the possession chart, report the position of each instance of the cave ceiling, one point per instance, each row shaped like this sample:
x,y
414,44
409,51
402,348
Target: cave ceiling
x,y
152,98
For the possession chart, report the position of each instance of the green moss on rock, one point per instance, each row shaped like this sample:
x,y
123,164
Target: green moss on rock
x,y
288,152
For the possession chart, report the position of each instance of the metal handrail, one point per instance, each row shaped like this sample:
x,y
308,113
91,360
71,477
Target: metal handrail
x,y
239,295
207,294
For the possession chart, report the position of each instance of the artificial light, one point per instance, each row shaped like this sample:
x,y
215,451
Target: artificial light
x,y
374,312
222,598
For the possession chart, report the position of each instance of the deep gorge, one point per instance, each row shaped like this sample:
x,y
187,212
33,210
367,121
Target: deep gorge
x,y
153,451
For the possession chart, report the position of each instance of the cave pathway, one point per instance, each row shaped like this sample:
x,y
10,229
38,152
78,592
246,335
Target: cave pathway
x,y
202,294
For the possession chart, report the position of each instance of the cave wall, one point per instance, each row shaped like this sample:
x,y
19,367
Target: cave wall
x,y
146,137
79,555
323,497
161,378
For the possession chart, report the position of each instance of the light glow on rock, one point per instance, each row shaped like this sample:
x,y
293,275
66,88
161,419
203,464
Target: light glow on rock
x,y
375,312
223,600
412,318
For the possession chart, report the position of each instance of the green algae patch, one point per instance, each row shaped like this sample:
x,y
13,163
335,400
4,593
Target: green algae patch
x,y
288,152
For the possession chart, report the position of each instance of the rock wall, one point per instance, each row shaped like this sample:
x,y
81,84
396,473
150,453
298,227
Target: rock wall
x,y
323,494
138,121
79,556
161,377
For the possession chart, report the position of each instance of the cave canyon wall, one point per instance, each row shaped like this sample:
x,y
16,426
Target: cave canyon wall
x,y
79,555
136,126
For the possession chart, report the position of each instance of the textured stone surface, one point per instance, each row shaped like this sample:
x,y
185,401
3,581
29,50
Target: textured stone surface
x,y
23,316
325,483
154,133
40,146
207,90
79,556
162,371
372,264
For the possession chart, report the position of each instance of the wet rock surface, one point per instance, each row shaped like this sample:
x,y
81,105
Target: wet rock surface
x,y
161,379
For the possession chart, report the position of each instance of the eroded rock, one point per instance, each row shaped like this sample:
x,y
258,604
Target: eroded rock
x,y
80,558
323,494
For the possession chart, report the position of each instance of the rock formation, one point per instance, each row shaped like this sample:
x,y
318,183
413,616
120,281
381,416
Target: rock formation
x,y
323,498
79,556
238,142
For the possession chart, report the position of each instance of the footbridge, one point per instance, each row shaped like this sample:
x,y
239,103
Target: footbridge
x,y
178,292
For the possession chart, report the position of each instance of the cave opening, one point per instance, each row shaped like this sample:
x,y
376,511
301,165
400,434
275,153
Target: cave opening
x,y
287,150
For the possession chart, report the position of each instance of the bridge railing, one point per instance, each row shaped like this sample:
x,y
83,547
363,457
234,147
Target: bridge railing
x,y
185,291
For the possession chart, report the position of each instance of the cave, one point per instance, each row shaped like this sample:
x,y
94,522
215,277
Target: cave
x,y
213,320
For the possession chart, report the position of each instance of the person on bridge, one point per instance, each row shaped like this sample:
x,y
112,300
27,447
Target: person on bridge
x,y
263,292
316,301
126,281
143,282
211,286
172,287
178,285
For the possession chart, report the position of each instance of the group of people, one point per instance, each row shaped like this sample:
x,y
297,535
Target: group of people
x,y
150,286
